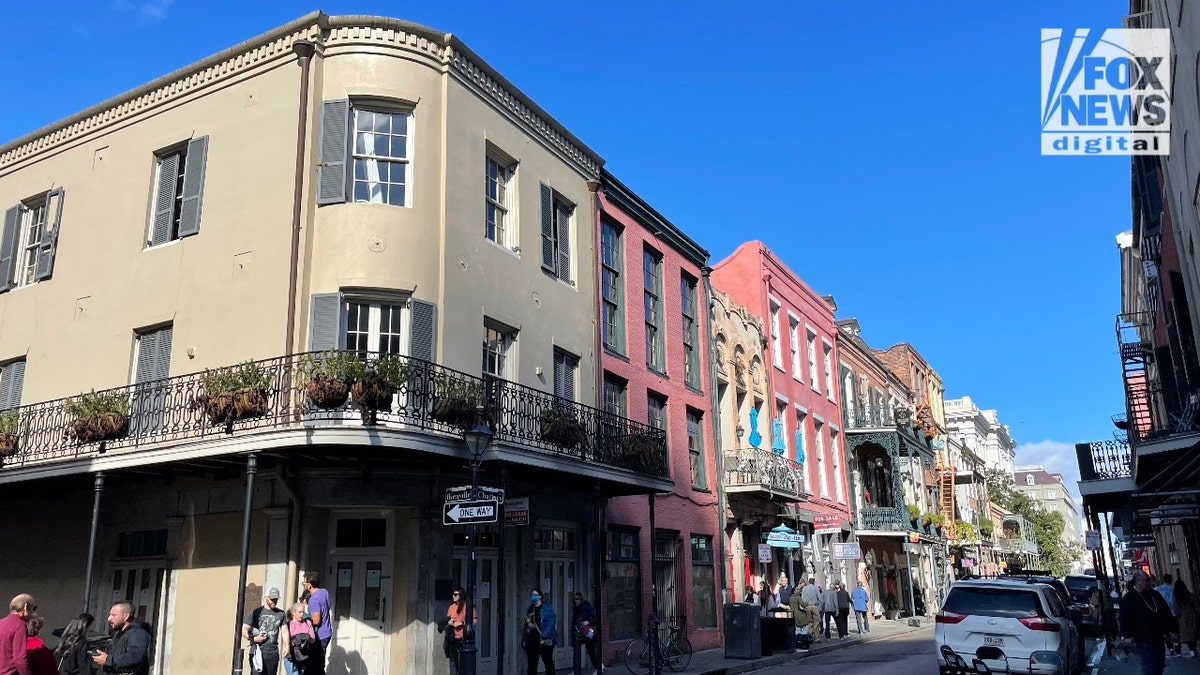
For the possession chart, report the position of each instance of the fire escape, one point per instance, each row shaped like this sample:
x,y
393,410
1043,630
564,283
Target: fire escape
x,y
946,489
1137,355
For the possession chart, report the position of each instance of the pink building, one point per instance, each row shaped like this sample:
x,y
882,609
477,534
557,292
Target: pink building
x,y
800,420
655,366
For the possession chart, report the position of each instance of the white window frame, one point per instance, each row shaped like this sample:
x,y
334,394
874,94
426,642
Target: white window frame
x,y
776,348
794,343
501,349
374,331
33,222
505,226
811,342
819,448
781,411
406,161
828,357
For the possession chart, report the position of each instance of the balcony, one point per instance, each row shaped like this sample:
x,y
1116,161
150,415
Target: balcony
x,y
885,518
415,404
755,470
1161,419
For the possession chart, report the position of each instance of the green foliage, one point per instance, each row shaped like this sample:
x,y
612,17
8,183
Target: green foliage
x,y
1047,525
914,512
938,520
985,525
335,364
396,370
964,531
248,375
927,518
1000,487
8,422
458,388
94,405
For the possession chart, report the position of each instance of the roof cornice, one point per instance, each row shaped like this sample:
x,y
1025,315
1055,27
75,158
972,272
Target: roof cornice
x,y
633,205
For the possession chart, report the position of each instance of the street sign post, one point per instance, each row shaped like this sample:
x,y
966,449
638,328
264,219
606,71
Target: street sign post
x,y
470,513
462,493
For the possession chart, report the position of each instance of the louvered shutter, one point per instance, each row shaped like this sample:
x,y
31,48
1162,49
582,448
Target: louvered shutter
x,y
193,186
562,236
48,242
569,367
560,361
145,422
8,246
164,199
161,364
332,171
325,330
422,330
12,379
548,250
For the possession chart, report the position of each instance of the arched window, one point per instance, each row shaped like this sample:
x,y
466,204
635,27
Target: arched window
x,y
1029,479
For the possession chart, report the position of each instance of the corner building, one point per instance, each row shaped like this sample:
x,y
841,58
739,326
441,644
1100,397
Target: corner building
x,y
153,254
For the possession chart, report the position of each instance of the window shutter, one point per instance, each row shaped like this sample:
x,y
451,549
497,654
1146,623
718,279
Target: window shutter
x,y
422,330
569,367
49,235
548,250
12,380
161,364
560,364
150,387
562,234
332,170
325,322
147,347
193,186
8,246
164,199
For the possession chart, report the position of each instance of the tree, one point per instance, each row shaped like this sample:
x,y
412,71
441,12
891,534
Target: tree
x,y
1047,525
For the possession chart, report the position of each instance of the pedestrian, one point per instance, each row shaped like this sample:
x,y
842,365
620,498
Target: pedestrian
x,y
812,604
262,628
540,633
41,661
802,620
322,622
456,626
13,636
1145,622
829,609
587,628
129,651
785,591
843,615
767,600
71,655
862,608
1186,615
1167,590
299,642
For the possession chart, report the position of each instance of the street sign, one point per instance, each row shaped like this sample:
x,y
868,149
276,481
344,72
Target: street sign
x,y
764,553
462,493
847,551
1093,540
516,511
827,524
468,513
785,539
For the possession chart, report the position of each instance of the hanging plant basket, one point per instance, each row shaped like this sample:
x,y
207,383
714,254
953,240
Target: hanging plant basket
x,y
372,394
459,412
328,393
562,430
103,427
643,452
8,445
227,407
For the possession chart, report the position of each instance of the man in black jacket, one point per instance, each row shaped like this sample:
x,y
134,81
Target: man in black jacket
x,y
1145,623
130,648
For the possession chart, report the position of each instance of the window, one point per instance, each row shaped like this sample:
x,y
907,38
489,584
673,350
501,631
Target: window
x,y
819,446
566,367
614,396
834,453
801,445
12,381
652,282
695,432
613,319
794,343
497,207
152,367
691,337
656,411
829,390
179,185
556,234
812,360
142,544
29,240
360,533
1051,494
624,585
498,340
372,325
381,154
704,603
1029,479
776,350
374,328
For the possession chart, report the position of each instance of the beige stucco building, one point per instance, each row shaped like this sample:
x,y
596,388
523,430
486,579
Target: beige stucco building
x,y
316,187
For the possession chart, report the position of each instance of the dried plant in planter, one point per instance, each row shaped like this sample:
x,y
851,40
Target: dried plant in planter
x,y
8,433
562,429
382,378
233,394
98,417
328,376
456,400
644,452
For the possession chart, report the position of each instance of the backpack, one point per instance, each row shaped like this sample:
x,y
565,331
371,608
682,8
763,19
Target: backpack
x,y
302,645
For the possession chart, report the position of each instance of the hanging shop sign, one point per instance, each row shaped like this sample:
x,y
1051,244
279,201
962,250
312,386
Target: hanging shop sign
x,y
827,524
847,551
764,553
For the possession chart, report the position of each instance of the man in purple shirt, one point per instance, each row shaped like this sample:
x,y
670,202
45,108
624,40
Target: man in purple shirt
x,y
13,660
318,608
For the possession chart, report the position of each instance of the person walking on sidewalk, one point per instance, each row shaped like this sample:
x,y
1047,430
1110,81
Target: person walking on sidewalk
x,y
1186,614
862,608
1167,591
829,609
843,615
1145,623
810,600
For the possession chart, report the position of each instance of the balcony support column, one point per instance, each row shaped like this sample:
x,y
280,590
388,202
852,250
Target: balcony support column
x,y
251,470
97,489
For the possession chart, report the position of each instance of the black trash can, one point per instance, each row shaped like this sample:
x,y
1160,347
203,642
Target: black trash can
x,y
743,631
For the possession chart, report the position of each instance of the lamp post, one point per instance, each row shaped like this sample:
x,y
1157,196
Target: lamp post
x,y
478,439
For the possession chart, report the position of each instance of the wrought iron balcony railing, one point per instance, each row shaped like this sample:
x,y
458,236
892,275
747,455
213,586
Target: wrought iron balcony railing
x,y
1100,460
763,469
885,518
869,417
1156,413
394,392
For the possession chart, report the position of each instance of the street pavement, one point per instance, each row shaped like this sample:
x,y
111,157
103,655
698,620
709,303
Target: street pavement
x,y
1180,665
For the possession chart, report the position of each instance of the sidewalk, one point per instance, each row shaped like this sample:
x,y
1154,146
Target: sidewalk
x,y
1178,665
713,661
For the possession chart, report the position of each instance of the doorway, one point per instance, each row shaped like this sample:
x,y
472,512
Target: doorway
x,y
486,601
360,589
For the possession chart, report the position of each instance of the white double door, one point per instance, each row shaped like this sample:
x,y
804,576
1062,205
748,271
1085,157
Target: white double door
x,y
360,593
486,605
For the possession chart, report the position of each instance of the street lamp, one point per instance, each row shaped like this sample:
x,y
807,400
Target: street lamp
x,y
478,439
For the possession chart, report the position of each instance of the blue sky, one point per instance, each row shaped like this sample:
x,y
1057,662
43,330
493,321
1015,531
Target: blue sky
x,y
887,151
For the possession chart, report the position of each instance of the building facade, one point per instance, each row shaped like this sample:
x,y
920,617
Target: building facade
x,y
981,432
301,346
1049,492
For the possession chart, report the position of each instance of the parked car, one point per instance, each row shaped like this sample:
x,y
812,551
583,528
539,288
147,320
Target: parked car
x,y
1077,611
1009,626
1081,587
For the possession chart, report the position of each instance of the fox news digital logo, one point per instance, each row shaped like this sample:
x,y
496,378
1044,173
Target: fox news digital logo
x,y
1105,92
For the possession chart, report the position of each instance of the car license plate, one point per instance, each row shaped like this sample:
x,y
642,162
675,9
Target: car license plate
x,y
993,640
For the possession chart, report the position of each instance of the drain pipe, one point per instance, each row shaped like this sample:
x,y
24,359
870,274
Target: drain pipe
x,y
290,590
98,489
251,470
706,274
304,50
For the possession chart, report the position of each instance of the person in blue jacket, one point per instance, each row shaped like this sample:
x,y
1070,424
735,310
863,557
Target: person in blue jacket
x,y
540,633
862,608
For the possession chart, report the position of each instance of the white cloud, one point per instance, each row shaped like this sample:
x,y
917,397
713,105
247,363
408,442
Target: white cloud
x,y
154,10
1055,457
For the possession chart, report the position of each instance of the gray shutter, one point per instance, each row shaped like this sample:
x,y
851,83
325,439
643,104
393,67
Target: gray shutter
x,y
570,366
548,250
422,330
562,234
560,365
325,322
193,186
145,421
48,243
12,379
332,169
164,199
8,246
161,364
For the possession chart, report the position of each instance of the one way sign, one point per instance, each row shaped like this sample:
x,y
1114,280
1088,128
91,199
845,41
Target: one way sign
x,y
467,513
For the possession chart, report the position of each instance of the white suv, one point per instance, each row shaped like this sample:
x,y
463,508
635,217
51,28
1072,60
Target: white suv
x,y
1022,627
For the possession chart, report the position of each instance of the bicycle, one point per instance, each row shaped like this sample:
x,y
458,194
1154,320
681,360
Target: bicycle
x,y
675,652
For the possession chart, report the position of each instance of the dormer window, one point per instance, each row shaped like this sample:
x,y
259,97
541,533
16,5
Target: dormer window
x,y
1029,479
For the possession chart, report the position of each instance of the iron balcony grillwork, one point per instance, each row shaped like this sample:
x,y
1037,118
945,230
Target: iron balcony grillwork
x,y
763,469
870,417
885,518
178,409
1101,460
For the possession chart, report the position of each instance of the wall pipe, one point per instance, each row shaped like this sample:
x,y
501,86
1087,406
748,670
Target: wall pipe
x,y
98,489
251,470
304,50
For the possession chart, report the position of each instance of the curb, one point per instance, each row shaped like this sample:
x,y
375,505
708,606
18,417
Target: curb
x,y
781,659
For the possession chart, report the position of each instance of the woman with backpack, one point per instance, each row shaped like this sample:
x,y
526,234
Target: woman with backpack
x,y
72,651
298,643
